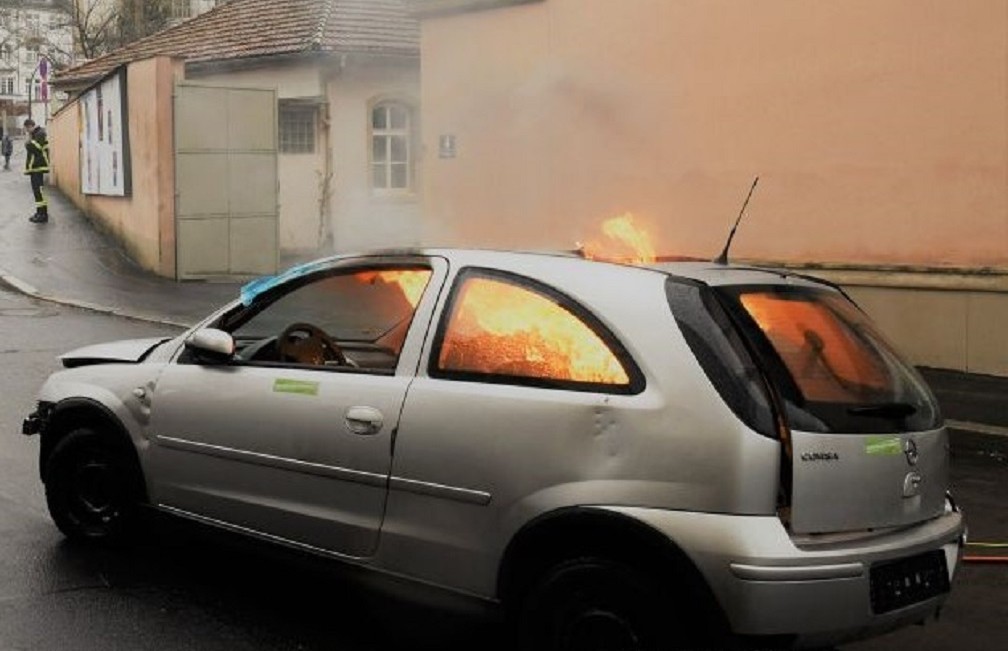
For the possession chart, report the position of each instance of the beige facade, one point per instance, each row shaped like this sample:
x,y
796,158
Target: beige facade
x,y
326,199
326,196
878,128
301,175
364,216
145,221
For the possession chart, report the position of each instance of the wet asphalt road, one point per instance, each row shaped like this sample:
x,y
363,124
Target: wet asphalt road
x,y
186,588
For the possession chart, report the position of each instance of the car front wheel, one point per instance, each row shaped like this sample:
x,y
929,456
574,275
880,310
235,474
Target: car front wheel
x,y
93,487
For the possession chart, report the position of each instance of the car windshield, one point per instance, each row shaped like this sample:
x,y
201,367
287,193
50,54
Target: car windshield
x,y
835,370
358,306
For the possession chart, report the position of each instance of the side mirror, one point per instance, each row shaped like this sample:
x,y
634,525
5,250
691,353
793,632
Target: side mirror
x,y
211,346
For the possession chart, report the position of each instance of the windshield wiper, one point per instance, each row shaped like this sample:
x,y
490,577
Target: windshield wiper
x,y
884,410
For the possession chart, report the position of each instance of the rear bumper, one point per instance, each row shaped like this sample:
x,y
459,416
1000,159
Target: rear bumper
x,y
814,592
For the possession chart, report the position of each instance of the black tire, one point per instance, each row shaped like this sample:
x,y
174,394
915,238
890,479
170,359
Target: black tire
x,y
595,604
93,488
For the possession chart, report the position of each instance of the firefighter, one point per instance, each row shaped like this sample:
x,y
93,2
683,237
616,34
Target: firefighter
x,y
37,166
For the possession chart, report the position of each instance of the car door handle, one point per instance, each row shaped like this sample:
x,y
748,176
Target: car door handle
x,y
364,421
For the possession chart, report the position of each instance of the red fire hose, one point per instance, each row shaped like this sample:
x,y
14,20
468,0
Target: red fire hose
x,y
986,559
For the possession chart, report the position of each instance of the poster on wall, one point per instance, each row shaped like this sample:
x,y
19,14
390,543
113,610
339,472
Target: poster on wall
x,y
104,137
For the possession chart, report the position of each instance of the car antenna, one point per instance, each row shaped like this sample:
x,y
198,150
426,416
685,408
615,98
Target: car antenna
x,y
723,258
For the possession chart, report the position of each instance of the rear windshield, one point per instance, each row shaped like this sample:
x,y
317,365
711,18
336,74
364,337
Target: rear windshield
x,y
834,369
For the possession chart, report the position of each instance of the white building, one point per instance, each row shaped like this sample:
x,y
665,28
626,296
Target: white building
x,y
182,9
31,31
179,9
347,79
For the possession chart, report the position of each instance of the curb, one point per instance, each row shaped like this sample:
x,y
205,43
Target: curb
x,y
978,428
26,289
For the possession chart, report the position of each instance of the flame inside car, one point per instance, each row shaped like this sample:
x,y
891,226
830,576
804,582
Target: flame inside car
x,y
624,241
500,328
412,282
829,358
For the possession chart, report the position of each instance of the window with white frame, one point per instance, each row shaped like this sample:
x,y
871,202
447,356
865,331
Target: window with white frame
x,y
297,128
32,25
391,147
6,85
180,9
33,87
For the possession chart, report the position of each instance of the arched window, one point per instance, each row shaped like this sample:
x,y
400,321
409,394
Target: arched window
x,y
391,147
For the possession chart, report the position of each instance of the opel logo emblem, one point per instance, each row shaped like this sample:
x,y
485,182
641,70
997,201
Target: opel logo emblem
x,y
910,451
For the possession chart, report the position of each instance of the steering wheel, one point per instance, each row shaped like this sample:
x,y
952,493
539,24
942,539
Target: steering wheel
x,y
305,343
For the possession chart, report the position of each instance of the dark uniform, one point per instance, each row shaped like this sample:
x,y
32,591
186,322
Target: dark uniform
x,y
6,148
36,166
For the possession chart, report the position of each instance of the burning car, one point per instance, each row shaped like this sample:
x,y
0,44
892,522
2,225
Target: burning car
x,y
624,456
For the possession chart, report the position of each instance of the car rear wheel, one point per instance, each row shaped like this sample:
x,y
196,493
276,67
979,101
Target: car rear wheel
x,y
93,487
595,604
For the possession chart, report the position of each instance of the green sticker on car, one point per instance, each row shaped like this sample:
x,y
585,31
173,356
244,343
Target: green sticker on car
x,y
884,446
300,387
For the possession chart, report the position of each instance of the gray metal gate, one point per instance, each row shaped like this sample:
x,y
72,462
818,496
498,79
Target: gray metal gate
x,y
225,182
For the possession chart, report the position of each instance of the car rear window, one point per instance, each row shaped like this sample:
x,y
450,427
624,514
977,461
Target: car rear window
x,y
835,370
721,352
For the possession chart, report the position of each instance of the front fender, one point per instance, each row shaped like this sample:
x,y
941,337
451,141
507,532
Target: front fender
x,y
122,391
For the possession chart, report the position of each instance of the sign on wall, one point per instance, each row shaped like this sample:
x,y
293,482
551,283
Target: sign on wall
x,y
104,138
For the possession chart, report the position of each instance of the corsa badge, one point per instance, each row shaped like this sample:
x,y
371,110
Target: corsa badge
x,y
911,484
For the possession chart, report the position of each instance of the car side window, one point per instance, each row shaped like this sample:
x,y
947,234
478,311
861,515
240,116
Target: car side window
x,y
345,320
506,329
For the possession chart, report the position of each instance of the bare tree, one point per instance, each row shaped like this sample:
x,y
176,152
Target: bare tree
x,y
140,18
93,26
101,27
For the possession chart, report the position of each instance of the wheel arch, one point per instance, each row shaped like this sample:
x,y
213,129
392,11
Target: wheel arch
x,y
74,413
577,531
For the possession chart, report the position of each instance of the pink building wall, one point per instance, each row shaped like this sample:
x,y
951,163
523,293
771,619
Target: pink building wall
x,y
879,128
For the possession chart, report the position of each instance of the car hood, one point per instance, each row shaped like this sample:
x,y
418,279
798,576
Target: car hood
x,y
127,351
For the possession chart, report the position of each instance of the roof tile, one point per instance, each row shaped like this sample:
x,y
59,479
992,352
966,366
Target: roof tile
x,y
260,28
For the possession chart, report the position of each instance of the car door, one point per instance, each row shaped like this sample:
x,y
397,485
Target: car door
x,y
285,443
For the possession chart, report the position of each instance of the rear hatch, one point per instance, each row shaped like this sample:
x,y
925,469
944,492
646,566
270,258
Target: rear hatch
x,y
867,446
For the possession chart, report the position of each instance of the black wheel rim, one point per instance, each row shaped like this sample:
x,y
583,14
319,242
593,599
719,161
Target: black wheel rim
x,y
96,493
599,629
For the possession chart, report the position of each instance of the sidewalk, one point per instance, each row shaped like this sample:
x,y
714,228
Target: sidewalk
x,y
68,261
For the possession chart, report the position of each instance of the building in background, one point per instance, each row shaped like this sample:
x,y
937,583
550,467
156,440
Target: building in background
x,y
35,36
347,77
878,128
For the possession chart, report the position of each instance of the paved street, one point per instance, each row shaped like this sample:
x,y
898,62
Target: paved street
x,y
184,588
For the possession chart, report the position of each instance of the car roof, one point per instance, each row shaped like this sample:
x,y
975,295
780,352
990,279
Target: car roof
x,y
537,262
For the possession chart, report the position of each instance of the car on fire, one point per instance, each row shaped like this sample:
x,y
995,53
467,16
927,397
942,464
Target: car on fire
x,y
623,456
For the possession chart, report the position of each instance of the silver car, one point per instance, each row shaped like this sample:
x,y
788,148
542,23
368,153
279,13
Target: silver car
x,y
625,457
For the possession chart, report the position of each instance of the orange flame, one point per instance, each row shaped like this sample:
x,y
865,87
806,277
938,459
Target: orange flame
x,y
411,282
626,242
503,329
823,355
